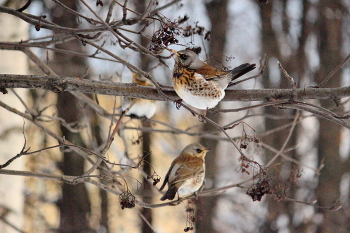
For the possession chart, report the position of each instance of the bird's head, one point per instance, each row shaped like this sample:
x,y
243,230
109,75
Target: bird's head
x,y
188,59
196,149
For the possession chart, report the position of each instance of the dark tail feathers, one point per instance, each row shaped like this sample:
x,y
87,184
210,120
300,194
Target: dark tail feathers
x,y
242,70
170,194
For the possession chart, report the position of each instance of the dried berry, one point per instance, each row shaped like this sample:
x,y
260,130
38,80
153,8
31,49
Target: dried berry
x,y
164,37
258,190
127,200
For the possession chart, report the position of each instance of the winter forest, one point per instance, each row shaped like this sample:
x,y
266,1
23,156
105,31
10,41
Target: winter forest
x,y
91,118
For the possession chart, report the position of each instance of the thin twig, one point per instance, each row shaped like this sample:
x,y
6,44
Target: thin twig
x,y
249,107
285,73
286,157
316,111
73,12
147,222
110,11
286,141
125,10
330,75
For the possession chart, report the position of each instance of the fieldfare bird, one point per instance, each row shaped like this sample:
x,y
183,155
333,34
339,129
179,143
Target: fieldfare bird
x,y
199,84
140,107
186,173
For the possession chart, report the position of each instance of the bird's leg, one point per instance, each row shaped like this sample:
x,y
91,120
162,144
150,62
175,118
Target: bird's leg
x,y
196,194
178,201
201,117
178,103
199,190
202,187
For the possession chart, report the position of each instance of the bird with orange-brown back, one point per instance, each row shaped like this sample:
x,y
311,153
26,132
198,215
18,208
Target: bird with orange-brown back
x,y
186,173
200,85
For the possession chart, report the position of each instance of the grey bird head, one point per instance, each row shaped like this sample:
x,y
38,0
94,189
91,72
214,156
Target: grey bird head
x,y
189,59
196,149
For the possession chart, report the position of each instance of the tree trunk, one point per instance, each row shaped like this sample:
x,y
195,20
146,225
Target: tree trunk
x,y
147,192
276,140
217,12
330,44
75,204
96,132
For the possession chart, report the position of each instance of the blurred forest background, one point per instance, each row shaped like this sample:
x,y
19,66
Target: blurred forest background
x,y
78,177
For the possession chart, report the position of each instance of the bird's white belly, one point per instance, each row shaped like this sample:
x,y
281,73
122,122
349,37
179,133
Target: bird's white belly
x,y
198,101
142,108
199,93
191,185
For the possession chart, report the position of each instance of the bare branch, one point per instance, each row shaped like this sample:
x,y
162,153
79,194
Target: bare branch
x,y
59,84
318,111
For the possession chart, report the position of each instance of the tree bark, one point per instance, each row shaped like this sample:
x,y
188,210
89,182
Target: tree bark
x,y
75,204
217,12
147,192
271,49
330,40
61,84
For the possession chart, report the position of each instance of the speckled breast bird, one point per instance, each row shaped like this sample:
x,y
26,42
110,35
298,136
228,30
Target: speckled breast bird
x,y
199,84
140,107
186,173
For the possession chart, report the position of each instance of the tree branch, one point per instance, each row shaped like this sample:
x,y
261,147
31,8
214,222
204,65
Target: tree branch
x,y
60,84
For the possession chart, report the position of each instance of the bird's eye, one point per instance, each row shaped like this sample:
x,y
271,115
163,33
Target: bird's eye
x,y
198,150
183,56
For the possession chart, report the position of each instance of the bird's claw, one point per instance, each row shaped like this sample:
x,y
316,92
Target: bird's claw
x,y
201,118
178,103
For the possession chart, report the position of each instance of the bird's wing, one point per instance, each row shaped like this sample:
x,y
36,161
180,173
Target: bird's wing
x,y
241,70
166,179
211,73
184,171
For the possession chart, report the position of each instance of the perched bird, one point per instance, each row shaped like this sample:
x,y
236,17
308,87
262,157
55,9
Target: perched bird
x,y
140,107
199,84
186,173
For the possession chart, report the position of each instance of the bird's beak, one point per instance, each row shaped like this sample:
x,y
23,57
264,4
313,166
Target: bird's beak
x,y
207,149
174,52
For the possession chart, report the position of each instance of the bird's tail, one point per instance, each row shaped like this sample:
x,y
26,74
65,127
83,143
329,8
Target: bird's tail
x,y
170,194
241,70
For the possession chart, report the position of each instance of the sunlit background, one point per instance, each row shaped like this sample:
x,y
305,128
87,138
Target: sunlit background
x,y
309,38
